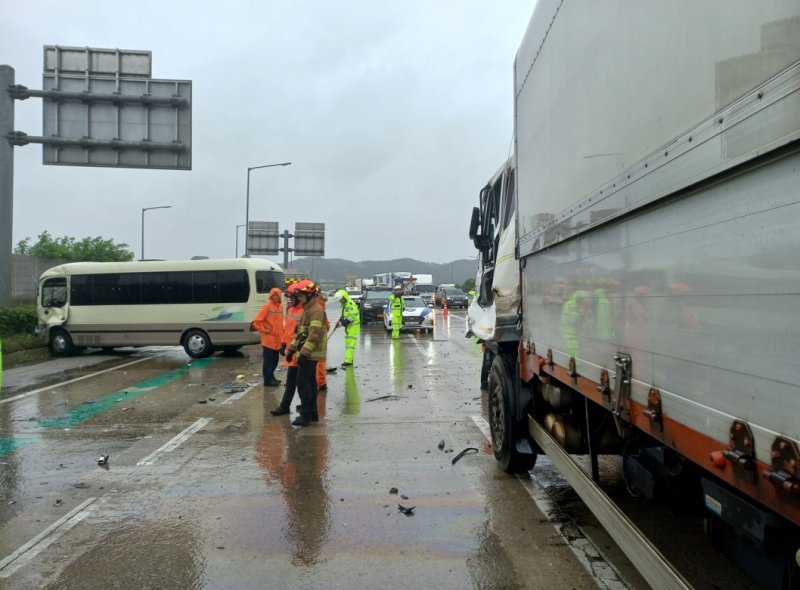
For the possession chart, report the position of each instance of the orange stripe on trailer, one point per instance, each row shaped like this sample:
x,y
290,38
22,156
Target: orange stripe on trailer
x,y
701,449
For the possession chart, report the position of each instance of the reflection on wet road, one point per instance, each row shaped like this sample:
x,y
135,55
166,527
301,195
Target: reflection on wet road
x,y
205,489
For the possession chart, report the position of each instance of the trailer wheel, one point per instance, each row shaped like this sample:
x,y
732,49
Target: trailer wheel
x,y
197,344
505,429
61,342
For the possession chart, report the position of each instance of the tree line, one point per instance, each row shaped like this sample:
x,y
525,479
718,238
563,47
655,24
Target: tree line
x,y
95,249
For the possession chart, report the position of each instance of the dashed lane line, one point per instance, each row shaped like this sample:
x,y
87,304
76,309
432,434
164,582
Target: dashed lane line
x,y
175,442
239,395
41,541
63,383
602,572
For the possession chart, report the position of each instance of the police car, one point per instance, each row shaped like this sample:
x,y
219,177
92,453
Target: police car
x,y
416,316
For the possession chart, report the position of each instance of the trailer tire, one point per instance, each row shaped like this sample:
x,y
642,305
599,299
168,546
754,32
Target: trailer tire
x,y
61,343
504,427
197,344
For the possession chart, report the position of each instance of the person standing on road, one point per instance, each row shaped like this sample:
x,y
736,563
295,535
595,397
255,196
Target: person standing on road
x,y
322,372
351,320
269,322
309,346
293,314
397,306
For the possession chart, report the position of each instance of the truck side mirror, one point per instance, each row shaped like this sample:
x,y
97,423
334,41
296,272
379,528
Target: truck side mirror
x,y
474,222
482,242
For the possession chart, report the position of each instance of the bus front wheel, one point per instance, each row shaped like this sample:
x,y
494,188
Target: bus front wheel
x,y
197,344
61,342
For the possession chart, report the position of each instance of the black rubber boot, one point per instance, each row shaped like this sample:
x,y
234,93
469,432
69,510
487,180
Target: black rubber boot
x,y
301,420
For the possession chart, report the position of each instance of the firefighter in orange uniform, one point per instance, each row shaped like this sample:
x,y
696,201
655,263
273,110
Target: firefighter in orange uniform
x,y
293,314
322,374
269,323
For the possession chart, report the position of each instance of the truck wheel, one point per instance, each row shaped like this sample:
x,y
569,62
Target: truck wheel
x,y
61,342
197,344
504,428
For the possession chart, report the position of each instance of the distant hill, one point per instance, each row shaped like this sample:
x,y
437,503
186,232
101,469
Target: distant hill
x,y
331,272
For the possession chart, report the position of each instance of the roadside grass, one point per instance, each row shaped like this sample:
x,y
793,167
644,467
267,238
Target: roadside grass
x,y
22,349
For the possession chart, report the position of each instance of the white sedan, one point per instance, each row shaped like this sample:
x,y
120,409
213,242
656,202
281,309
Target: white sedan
x,y
417,315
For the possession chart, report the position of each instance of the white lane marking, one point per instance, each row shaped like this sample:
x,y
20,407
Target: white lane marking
x,y
61,384
239,395
175,442
41,541
418,345
602,572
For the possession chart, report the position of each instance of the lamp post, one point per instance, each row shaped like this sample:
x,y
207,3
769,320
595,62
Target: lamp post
x,y
247,206
149,209
237,239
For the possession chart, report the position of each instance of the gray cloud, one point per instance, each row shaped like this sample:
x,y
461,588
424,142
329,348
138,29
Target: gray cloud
x,y
393,113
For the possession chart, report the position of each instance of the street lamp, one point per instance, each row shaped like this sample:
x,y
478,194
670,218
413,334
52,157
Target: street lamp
x,y
247,207
148,209
237,239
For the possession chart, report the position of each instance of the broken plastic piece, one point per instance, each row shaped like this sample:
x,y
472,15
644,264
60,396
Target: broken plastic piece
x,y
407,511
462,453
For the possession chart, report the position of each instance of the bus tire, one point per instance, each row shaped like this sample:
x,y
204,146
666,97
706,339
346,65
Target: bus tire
x,y
504,427
60,342
197,344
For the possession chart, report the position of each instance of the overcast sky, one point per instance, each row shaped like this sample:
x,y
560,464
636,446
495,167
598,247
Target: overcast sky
x,y
393,113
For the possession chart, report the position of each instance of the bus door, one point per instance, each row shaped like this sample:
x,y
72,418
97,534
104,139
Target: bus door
x,y
54,301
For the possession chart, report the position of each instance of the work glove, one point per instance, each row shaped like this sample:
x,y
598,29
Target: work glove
x,y
346,322
289,356
282,349
301,358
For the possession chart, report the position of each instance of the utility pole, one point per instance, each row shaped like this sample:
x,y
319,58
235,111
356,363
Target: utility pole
x,y
6,182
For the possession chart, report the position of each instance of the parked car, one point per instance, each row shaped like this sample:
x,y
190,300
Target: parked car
x,y
453,297
426,291
416,316
372,305
439,293
355,294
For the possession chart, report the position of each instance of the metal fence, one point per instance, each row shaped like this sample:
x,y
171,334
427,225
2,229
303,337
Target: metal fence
x,y
25,273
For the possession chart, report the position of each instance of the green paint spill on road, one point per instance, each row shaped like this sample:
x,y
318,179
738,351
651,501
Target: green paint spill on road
x,y
9,445
98,406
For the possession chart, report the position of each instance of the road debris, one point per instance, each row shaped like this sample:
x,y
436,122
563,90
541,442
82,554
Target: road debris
x,y
393,491
462,453
103,460
407,511
374,399
441,445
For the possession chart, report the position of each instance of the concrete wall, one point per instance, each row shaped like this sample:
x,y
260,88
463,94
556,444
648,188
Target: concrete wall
x,y
25,273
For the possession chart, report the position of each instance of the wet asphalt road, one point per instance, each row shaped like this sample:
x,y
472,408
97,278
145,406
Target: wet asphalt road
x,y
220,494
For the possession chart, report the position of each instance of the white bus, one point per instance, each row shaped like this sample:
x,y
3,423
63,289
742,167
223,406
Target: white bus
x,y
204,305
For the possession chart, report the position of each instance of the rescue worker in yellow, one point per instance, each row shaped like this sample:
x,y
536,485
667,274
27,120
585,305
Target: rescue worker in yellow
x,y
351,320
309,345
397,306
